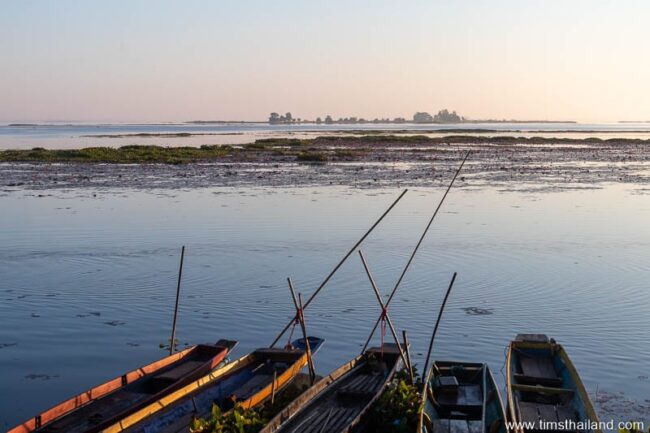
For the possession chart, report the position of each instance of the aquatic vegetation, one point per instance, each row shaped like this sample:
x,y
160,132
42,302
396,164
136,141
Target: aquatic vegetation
x,y
349,148
122,155
237,420
274,142
312,157
350,154
167,344
396,411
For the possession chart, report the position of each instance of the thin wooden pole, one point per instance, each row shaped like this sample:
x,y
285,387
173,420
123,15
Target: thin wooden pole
x,y
435,328
384,311
178,292
301,319
310,358
275,378
408,356
336,268
417,246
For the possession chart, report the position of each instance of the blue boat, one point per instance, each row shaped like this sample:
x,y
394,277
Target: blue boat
x,y
545,390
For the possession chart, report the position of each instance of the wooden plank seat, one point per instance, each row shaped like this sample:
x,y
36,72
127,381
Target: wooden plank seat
x,y
253,385
540,389
178,372
465,395
566,413
362,385
328,419
456,425
537,370
537,412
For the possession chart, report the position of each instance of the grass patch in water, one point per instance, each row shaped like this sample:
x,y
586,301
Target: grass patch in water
x,y
121,155
311,156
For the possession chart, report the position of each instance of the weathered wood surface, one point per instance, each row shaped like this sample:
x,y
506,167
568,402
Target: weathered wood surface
x,y
536,412
337,403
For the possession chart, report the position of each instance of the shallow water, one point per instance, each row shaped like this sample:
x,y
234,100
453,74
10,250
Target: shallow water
x,y
88,279
69,136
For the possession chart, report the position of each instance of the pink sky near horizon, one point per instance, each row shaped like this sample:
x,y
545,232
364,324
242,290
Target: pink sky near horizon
x,y
167,61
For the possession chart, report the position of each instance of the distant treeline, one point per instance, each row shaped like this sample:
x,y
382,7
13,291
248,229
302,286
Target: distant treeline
x,y
441,117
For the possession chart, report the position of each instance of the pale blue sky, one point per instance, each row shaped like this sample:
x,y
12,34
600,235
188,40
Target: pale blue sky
x,y
172,60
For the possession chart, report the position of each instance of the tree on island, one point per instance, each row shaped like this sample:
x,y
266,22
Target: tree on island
x,y
276,118
443,116
422,117
328,119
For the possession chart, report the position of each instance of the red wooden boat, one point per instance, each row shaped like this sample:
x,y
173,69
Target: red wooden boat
x,y
109,402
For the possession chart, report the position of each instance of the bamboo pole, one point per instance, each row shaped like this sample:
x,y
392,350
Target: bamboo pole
x,y
275,378
310,358
336,268
435,328
178,292
301,319
408,356
384,311
417,246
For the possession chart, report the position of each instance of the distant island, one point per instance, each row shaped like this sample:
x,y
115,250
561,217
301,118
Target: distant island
x,y
441,117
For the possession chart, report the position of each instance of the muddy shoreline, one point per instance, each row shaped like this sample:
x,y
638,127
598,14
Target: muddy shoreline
x,y
364,162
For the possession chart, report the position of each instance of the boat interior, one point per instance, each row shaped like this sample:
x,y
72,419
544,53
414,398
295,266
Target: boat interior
x,y
455,397
542,387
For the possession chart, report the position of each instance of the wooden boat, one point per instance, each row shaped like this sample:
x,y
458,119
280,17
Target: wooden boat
x,y
544,386
104,404
461,397
337,403
247,381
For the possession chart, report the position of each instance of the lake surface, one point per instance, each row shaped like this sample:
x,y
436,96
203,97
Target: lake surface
x,y
63,135
88,279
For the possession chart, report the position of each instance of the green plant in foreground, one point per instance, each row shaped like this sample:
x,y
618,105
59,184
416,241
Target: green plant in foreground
x,y
396,411
241,420
237,420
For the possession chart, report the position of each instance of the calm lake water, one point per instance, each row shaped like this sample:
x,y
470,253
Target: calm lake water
x,y
88,279
66,135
